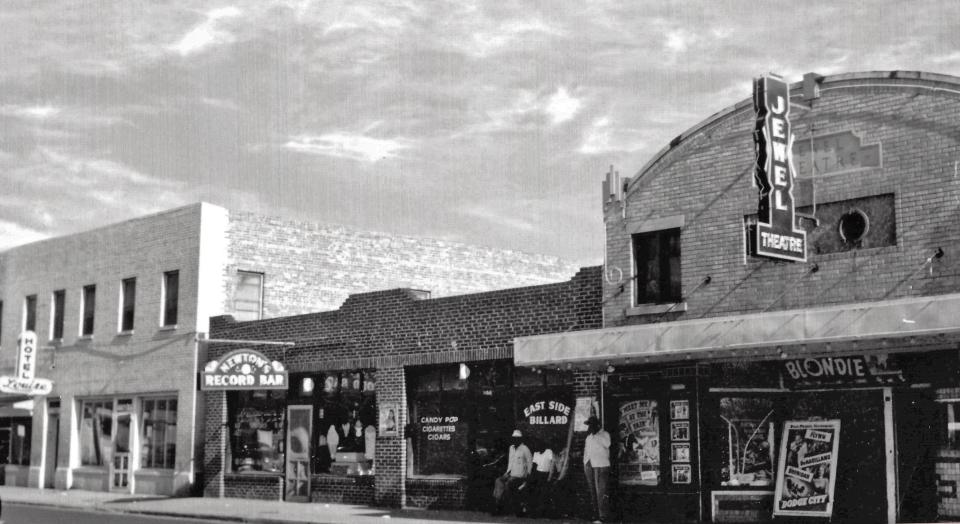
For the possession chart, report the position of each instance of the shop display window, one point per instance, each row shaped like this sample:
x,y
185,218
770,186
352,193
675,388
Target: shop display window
x,y
461,419
748,437
96,432
256,430
638,451
953,423
159,443
345,431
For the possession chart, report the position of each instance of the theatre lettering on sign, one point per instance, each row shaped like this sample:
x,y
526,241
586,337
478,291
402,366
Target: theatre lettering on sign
x,y
872,369
243,369
776,234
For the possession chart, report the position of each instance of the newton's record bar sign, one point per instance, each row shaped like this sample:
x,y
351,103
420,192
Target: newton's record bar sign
x,y
243,369
776,234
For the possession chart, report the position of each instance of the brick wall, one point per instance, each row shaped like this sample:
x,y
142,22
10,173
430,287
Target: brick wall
x,y
388,330
311,267
706,177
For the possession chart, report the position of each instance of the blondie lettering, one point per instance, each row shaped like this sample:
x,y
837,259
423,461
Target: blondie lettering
x,y
826,367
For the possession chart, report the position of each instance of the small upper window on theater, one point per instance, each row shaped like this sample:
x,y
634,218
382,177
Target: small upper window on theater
x,y
657,256
248,296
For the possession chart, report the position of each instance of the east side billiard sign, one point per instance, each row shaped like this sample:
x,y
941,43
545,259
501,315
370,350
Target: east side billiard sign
x,y
776,234
243,369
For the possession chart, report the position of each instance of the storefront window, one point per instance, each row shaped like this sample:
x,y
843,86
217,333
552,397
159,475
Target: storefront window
x,y
20,442
461,425
159,433
748,441
96,432
346,430
256,430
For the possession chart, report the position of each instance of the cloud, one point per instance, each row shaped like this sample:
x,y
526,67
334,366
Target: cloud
x,y
561,106
207,33
346,145
678,40
14,234
603,137
29,112
498,217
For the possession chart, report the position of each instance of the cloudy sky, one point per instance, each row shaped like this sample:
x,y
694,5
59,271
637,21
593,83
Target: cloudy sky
x,y
481,122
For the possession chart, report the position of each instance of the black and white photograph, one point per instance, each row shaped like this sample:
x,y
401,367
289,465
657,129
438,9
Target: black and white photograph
x,y
479,261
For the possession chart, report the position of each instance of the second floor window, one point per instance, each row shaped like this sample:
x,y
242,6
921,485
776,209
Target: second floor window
x,y
88,305
657,256
248,296
56,317
171,291
128,296
30,313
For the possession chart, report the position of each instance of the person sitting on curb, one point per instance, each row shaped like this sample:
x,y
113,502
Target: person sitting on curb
x,y
507,486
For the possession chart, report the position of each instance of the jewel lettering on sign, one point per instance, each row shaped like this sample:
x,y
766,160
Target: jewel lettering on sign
x,y
776,233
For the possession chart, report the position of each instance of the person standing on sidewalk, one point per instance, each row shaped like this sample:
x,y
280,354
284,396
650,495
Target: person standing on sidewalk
x,y
596,467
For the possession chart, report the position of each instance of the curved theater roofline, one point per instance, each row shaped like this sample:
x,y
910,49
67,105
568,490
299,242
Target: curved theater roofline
x,y
865,79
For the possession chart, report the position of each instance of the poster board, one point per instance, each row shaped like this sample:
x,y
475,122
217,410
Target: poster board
x,y
806,471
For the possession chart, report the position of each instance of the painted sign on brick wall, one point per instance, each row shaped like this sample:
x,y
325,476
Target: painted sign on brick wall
x,y
777,235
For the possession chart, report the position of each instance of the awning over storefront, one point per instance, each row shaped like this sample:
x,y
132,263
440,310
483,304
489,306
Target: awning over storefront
x,y
848,327
14,406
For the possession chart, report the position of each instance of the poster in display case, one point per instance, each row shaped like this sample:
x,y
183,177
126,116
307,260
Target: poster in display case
x,y
806,469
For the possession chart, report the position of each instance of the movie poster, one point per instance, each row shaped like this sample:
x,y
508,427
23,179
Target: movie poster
x,y
639,453
805,472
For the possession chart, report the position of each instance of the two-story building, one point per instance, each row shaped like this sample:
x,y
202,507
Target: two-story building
x,y
781,337
119,310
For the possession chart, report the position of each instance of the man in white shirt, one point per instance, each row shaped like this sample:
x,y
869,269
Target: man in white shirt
x,y
519,464
596,466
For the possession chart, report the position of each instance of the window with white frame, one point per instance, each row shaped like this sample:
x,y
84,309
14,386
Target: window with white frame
x,y
30,313
56,316
657,258
170,298
248,296
88,304
128,298
159,416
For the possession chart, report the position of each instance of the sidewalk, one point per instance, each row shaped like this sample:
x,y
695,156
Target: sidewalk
x,y
244,510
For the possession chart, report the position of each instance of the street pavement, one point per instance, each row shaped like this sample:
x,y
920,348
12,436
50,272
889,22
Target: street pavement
x,y
236,510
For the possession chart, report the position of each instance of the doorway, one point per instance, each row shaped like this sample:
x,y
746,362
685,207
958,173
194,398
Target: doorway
x,y
52,444
120,465
300,420
919,427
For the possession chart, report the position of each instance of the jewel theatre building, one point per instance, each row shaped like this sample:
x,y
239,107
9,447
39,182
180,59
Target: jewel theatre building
x,y
780,335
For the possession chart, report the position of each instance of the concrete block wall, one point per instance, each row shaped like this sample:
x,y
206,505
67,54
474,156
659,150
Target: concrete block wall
x,y
390,330
311,267
705,177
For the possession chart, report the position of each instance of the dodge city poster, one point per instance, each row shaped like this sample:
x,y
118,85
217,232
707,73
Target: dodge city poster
x,y
805,472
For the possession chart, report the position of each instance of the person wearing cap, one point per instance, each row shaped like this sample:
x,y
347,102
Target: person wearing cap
x,y
519,464
596,466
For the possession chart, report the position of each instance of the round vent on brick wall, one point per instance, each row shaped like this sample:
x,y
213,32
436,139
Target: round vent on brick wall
x,y
854,226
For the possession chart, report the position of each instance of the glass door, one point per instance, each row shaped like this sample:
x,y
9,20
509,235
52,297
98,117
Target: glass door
x,y
120,465
298,453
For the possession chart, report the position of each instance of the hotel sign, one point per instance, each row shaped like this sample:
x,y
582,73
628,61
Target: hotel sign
x,y
243,369
776,234
25,382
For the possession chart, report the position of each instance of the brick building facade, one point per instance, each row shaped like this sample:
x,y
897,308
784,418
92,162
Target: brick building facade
x,y
414,347
723,352
117,311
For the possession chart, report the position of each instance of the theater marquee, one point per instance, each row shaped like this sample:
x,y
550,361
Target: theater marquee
x,y
243,369
776,234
